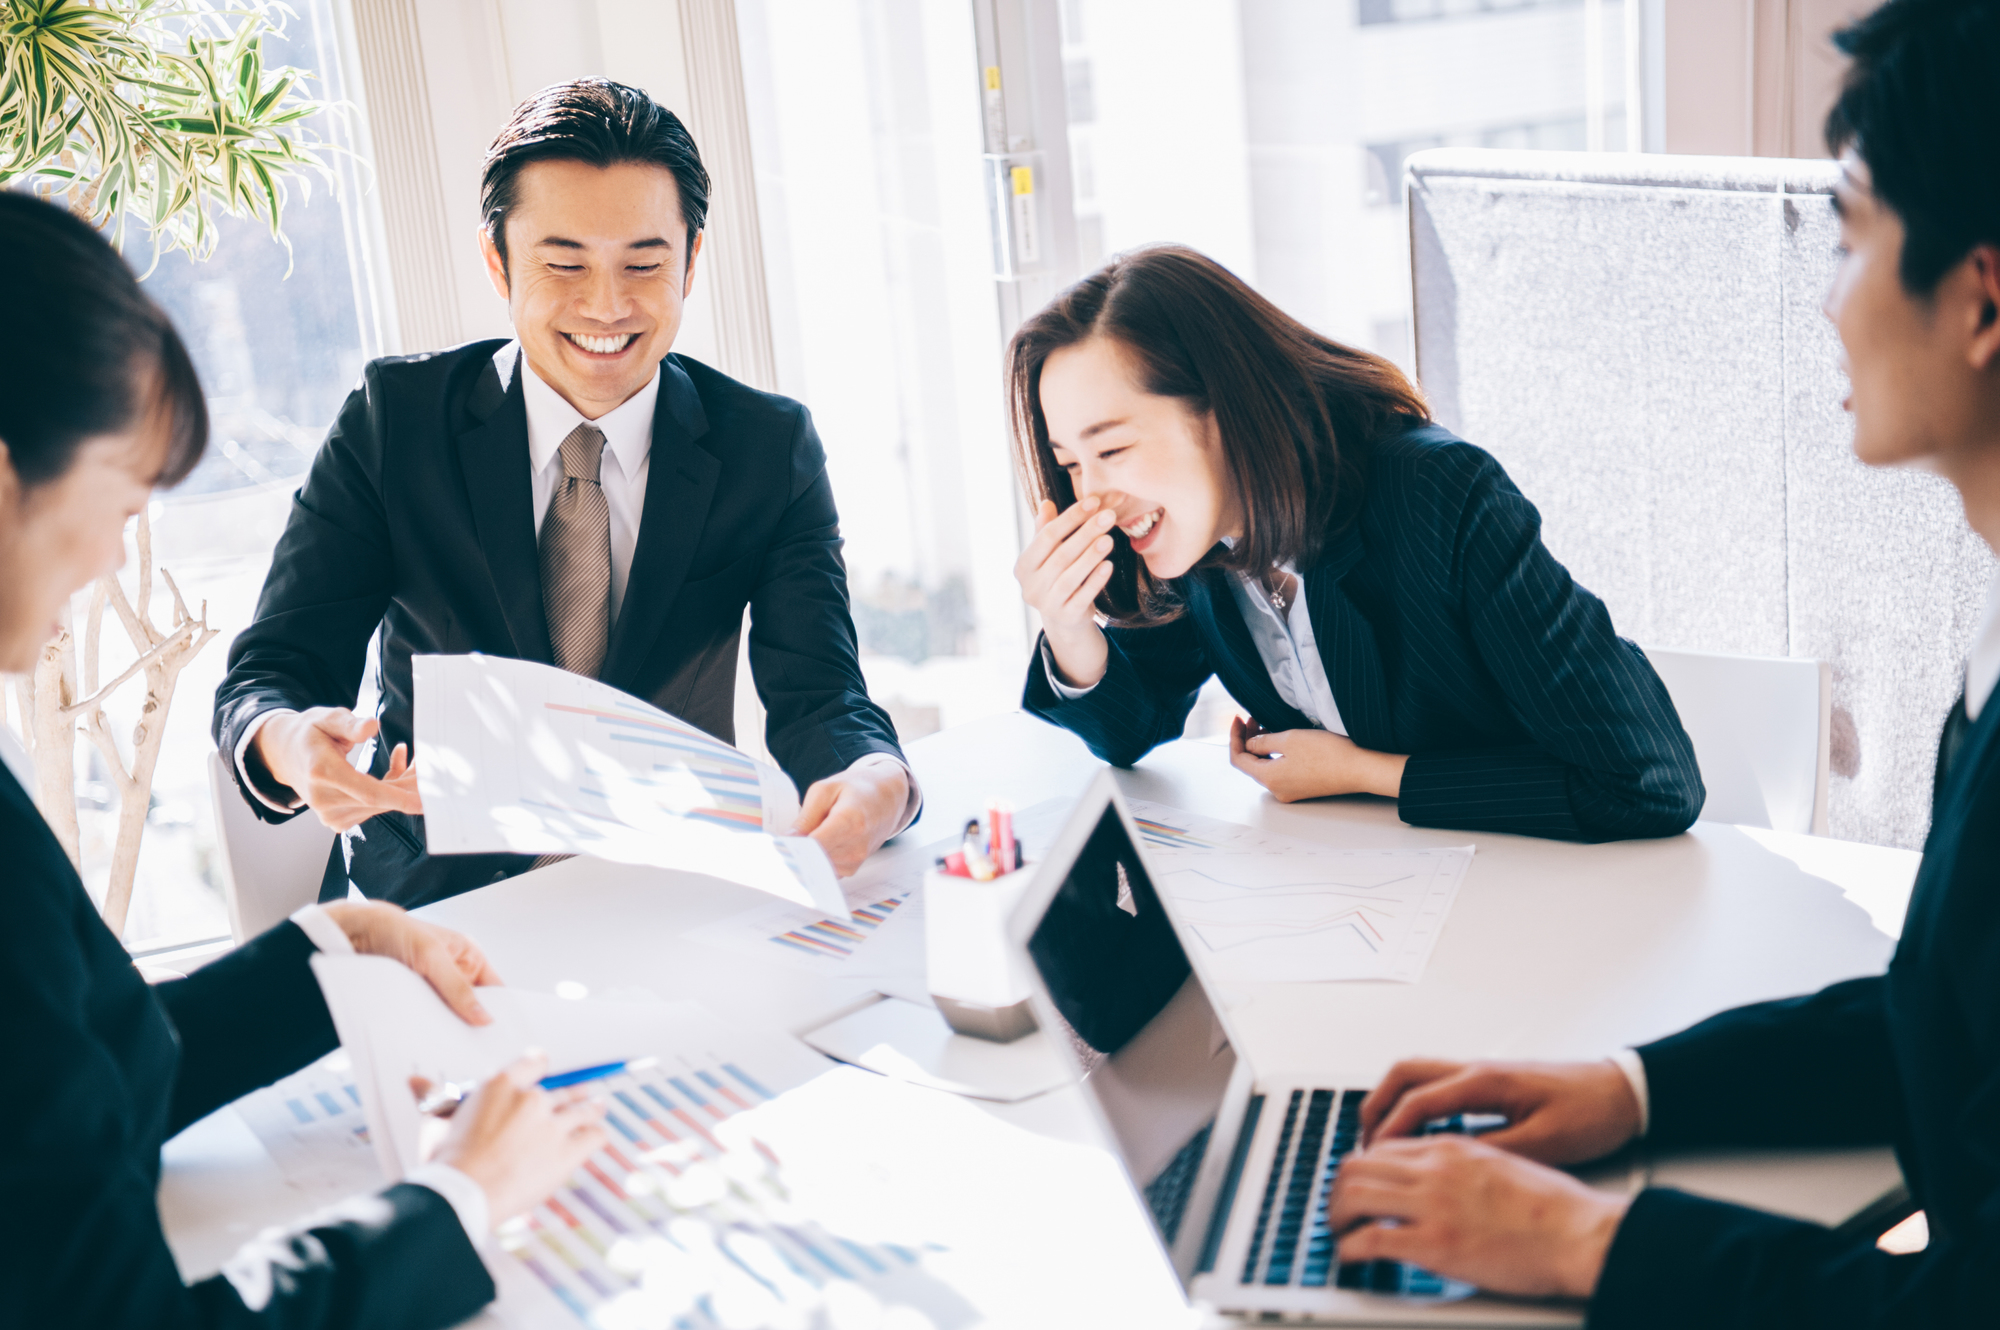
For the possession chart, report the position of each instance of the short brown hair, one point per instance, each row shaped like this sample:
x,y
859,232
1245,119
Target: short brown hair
x,y
1294,409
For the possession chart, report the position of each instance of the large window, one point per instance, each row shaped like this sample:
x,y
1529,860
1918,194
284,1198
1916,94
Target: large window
x,y
1272,133
866,136
1269,133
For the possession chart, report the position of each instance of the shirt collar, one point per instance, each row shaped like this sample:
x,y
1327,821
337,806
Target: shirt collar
x,y
628,430
1982,666
1288,566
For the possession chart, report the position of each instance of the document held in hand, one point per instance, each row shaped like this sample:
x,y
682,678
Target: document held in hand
x,y
512,755
394,1027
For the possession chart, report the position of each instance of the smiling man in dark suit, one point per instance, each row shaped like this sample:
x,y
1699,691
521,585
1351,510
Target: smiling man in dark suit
x,y
577,496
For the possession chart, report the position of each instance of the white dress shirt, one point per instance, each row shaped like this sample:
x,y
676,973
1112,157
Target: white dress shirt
x,y
1982,665
15,759
1285,643
626,462
628,452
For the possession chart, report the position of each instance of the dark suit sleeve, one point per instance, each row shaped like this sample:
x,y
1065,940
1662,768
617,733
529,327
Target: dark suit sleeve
x,y
1609,758
803,656
1681,1261
80,1236
330,581
244,1020
1747,1076
1151,679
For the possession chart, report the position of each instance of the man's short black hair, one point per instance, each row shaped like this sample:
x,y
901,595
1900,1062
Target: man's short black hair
x,y
1921,105
598,122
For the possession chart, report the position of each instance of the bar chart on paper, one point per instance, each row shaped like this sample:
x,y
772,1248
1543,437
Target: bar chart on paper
x,y
1269,908
519,756
663,754
686,1220
312,1125
884,936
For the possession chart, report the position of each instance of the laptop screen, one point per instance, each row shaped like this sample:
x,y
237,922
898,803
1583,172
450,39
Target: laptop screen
x,y
1156,1058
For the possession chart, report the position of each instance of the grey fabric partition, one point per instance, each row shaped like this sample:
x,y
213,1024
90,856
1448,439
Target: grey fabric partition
x,y
1638,339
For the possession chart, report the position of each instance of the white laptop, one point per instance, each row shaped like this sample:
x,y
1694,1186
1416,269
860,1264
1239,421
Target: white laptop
x,y
1233,1168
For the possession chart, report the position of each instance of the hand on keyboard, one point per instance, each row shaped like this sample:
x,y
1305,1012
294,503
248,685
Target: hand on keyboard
x,y
1461,1208
1557,1112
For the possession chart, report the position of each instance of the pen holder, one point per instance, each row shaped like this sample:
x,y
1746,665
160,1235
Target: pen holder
x,y
977,981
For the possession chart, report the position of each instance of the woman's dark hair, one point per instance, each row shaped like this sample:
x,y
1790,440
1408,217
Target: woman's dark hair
x,y
1295,410
83,351
1919,106
597,122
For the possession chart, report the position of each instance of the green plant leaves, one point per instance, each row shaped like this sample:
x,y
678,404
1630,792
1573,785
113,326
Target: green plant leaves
x,y
163,109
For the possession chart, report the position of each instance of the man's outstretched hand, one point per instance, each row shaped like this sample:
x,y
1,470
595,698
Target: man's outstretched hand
x,y
851,814
308,751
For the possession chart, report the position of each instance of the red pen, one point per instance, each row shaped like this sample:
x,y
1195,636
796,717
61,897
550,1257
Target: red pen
x,y
1000,817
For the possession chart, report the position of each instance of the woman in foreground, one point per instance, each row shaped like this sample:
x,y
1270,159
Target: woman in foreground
x,y
1238,496
98,404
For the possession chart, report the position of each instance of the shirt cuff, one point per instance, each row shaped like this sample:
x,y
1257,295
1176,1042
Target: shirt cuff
x,y
916,797
243,770
1065,691
466,1198
322,931
1628,1061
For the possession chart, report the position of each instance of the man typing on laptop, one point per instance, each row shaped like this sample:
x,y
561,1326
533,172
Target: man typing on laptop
x,y
1910,1057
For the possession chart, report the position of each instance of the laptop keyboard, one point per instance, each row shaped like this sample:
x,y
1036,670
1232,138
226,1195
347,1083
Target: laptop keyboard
x,y
1167,1195
1292,1244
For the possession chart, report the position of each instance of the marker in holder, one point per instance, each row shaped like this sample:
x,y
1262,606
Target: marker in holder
x,y
977,981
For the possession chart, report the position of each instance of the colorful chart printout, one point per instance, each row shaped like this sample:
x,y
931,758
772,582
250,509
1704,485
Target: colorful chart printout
x,y
521,757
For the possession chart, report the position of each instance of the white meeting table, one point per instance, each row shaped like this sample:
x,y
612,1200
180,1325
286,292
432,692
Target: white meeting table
x,y
1552,950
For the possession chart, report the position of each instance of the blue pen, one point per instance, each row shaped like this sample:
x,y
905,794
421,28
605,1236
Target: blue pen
x,y
444,1101
597,1073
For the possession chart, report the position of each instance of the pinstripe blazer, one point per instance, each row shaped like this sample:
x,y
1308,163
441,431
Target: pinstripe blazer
x,y
1448,633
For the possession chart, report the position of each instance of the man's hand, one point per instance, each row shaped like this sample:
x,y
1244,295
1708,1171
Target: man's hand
x,y
308,751
1466,1210
451,962
1310,764
1557,1112
851,814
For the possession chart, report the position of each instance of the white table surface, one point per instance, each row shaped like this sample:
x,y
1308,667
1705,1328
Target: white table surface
x,y
1552,950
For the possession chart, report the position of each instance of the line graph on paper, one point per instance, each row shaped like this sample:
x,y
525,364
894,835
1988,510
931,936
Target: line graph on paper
x,y
1263,907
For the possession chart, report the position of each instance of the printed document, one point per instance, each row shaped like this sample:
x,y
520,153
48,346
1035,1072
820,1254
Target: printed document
x,y
517,756
1267,908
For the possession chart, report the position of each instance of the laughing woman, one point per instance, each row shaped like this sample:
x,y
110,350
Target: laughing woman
x,y
1225,492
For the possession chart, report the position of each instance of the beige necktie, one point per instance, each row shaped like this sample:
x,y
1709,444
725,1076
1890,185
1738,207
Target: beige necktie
x,y
576,557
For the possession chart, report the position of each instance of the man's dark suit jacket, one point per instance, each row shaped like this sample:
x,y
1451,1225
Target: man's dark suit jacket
x,y
1448,633
1911,1057
417,516
103,1068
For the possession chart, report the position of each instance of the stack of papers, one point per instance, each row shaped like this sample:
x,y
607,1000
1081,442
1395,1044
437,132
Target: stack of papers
x,y
519,757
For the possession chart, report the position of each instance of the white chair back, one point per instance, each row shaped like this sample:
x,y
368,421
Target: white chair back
x,y
268,870
1760,726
